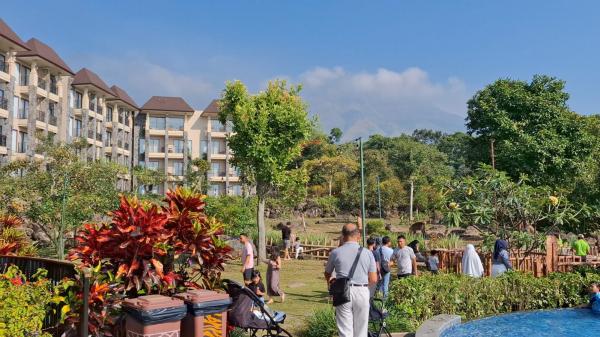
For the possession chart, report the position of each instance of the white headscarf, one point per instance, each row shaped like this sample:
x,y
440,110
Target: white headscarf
x,y
471,263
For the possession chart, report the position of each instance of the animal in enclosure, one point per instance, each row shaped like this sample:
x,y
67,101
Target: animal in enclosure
x,y
417,227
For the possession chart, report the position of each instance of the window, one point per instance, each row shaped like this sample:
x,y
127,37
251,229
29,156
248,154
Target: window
x,y
22,142
23,74
178,168
78,127
178,146
23,108
153,165
78,99
218,147
216,126
157,123
53,87
204,147
175,123
109,114
3,64
154,145
217,169
142,147
236,190
93,102
108,140
216,190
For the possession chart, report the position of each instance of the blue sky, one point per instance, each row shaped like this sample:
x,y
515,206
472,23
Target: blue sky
x,y
367,66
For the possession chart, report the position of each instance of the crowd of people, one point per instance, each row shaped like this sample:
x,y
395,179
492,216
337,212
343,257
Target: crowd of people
x,y
360,273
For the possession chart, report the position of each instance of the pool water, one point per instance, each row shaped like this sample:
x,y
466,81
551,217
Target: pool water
x,y
545,323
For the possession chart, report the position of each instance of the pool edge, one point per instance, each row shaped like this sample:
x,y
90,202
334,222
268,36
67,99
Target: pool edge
x,y
435,326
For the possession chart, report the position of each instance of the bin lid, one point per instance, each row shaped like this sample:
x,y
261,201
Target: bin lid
x,y
151,302
194,296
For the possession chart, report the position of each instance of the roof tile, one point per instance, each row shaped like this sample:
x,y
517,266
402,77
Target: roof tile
x,y
123,96
162,103
42,50
9,34
86,76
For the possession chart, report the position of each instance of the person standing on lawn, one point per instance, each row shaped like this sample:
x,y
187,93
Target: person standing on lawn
x,y
352,318
581,247
404,257
286,236
385,253
247,258
273,274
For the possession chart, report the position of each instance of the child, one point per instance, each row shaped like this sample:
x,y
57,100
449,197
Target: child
x,y
433,261
297,247
595,299
257,286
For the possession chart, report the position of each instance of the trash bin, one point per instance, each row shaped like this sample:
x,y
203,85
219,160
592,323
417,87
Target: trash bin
x,y
154,315
206,314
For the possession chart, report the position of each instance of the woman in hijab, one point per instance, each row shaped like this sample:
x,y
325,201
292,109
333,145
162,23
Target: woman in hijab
x,y
414,244
471,263
500,260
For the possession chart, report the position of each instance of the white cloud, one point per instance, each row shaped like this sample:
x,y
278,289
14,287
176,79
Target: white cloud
x,y
142,78
384,101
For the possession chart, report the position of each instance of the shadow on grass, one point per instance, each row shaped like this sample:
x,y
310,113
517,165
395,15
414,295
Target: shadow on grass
x,y
316,297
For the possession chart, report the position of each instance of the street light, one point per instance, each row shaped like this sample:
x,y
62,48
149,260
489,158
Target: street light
x,y
379,196
362,191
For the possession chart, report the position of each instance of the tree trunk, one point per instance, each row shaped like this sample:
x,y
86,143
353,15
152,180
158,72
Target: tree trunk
x,y
262,234
330,184
60,246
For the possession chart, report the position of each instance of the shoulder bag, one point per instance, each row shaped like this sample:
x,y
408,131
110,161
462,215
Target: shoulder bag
x,y
340,289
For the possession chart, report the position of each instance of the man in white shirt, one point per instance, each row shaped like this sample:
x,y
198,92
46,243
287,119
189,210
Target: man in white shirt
x,y
247,258
404,257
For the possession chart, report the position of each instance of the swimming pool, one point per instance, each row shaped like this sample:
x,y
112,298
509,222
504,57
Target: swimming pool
x,y
545,323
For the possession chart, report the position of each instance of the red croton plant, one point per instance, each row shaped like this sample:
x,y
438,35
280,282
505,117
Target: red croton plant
x,y
149,249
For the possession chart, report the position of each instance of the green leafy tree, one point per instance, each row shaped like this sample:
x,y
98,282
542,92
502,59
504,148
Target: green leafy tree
x,y
335,135
269,129
59,192
328,167
147,177
532,129
195,175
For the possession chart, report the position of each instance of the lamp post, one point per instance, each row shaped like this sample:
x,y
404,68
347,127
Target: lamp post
x,y
379,196
362,192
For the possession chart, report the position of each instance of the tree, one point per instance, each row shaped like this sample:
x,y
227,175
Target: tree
x,y
147,177
532,130
335,135
269,129
427,136
327,167
196,173
60,192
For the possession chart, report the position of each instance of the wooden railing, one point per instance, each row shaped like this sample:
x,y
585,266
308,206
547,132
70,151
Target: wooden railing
x,y
57,271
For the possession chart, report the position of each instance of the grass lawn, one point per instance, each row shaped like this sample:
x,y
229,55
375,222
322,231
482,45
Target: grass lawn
x,y
304,286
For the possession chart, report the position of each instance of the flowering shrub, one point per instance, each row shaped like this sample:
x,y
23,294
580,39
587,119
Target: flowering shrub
x,y
23,303
13,241
149,249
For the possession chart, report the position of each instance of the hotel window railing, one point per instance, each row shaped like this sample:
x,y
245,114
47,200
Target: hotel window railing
x,y
41,116
23,113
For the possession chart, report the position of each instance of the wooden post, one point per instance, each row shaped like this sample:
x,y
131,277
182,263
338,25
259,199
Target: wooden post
x,y
551,254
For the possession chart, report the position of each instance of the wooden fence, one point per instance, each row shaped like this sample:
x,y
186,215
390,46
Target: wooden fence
x,y
537,262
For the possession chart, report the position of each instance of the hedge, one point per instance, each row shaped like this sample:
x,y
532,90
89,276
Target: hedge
x,y
420,298
414,300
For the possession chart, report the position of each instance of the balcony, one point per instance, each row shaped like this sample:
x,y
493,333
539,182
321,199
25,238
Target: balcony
x,y
91,134
107,143
42,83
120,143
4,103
23,113
126,147
41,116
52,120
3,140
98,136
4,67
92,106
53,88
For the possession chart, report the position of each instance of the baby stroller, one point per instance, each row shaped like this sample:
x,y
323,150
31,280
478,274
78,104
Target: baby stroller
x,y
248,312
377,316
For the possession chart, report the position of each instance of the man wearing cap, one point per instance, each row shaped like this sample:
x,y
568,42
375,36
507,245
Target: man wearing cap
x,y
352,318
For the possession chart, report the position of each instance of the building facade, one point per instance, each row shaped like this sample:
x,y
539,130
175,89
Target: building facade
x,y
41,95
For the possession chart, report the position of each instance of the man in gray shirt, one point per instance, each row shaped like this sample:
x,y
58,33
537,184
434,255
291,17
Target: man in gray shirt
x,y
404,257
352,318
